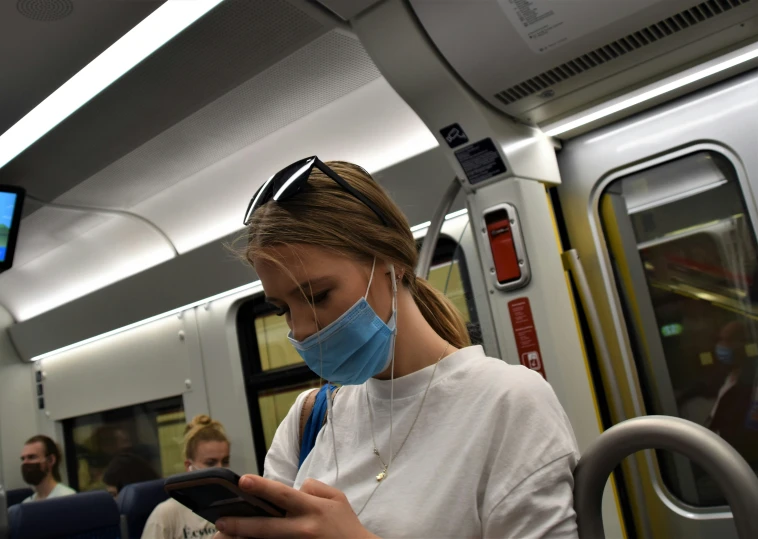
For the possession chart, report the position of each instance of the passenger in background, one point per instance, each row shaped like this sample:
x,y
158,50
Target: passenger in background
x,y
733,416
205,446
40,467
126,469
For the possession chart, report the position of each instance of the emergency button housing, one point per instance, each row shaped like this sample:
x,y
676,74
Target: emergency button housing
x,y
509,267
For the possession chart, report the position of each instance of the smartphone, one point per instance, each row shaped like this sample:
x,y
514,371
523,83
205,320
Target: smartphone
x,y
213,493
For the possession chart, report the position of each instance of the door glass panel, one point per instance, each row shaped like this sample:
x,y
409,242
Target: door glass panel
x,y
273,347
684,255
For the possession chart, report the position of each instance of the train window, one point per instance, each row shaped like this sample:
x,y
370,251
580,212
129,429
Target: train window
x,y
683,250
274,372
273,347
149,434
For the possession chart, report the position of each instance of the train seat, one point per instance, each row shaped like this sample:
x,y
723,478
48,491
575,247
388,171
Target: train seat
x,y
90,515
135,503
18,495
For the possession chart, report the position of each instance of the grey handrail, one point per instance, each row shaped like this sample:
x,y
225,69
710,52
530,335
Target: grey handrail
x,y
720,460
430,240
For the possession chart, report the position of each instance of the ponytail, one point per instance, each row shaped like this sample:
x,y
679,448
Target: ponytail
x,y
440,313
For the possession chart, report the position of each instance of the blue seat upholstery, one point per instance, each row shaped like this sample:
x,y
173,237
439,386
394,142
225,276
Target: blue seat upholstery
x,y
18,495
91,515
136,502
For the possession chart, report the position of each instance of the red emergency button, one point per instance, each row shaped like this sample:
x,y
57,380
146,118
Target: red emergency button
x,y
504,255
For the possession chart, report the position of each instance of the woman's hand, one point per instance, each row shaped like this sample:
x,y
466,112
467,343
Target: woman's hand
x,y
315,511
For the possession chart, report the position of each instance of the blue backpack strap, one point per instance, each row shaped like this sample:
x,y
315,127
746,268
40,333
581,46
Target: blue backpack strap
x,y
316,420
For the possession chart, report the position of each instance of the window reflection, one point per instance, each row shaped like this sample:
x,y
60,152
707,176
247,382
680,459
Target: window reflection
x,y
685,226
105,444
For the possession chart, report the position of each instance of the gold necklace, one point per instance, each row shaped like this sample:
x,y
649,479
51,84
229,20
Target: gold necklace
x,y
385,467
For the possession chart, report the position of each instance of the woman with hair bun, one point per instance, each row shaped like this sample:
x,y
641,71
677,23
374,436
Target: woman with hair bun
x,y
205,446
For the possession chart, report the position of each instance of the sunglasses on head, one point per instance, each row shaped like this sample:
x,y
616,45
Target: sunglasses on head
x,y
291,179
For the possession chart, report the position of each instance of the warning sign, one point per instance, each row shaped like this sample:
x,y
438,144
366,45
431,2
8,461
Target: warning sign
x,y
547,24
526,335
480,161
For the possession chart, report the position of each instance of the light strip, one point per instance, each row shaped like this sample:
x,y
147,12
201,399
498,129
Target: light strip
x,y
455,214
148,320
146,37
449,216
700,73
194,304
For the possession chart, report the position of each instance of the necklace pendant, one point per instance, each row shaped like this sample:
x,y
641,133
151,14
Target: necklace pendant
x,y
381,475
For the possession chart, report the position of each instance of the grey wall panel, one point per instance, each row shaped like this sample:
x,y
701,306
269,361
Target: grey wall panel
x,y
17,405
416,185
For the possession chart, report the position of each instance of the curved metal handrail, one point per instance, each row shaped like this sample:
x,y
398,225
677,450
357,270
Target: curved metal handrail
x,y
720,460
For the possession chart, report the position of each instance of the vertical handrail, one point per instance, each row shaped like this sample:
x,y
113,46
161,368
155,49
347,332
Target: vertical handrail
x,y
721,461
433,233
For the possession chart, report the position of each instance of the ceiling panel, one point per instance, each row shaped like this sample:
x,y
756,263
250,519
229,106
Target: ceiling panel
x,y
372,126
45,43
115,249
232,43
321,72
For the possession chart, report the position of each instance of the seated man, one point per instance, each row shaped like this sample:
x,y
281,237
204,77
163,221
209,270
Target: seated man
x,y
40,463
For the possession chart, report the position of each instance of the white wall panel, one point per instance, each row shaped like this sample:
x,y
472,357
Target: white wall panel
x,y
146,363
224,379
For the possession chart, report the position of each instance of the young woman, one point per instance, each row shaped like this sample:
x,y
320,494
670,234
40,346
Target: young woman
x,y
205,446
427,437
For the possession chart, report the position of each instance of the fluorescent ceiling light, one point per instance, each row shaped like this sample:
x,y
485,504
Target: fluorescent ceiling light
x,y
149,35
421,226
455,214
677,81
148,320
427,224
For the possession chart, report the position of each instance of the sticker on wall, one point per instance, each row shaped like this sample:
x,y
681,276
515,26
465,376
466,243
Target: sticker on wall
x,y
525,332
545,24
480,161
454,135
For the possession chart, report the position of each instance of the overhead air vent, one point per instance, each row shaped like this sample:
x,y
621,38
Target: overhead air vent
x,y
541,84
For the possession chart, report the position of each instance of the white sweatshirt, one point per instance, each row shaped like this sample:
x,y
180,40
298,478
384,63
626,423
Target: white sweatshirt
x,y
491,454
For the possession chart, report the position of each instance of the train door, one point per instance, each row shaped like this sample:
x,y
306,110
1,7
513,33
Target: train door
x,y
662,213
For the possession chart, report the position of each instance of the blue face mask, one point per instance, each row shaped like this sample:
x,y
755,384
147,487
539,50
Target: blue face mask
x,y
355,347
724,354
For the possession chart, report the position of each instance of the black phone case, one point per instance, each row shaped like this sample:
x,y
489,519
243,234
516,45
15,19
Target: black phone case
x,y
213,493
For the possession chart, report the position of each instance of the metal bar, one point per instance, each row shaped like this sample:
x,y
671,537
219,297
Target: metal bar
x,y
573,264
720,460
433,232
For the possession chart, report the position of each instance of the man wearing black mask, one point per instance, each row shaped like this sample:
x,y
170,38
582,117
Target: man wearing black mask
x,y
40,462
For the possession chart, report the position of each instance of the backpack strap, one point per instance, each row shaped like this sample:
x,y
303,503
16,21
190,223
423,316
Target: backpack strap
x,y
314,409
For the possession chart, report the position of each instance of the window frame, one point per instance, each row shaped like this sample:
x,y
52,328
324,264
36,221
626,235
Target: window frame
x,y
70,457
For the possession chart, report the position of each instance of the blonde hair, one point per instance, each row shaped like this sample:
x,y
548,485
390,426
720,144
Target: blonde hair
x,y
202,429
323,214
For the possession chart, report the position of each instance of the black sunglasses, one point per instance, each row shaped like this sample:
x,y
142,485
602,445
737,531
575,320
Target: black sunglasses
x,y
291,179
